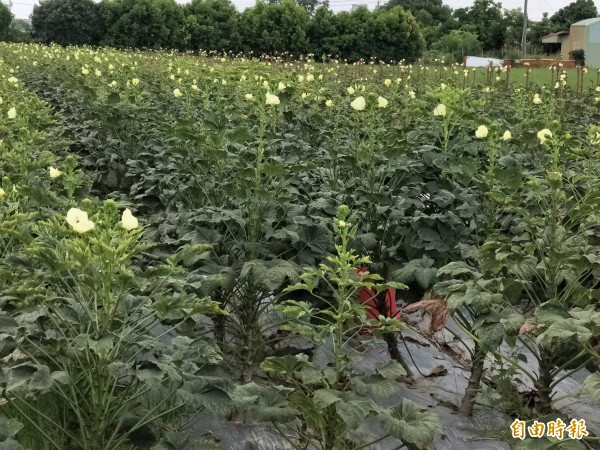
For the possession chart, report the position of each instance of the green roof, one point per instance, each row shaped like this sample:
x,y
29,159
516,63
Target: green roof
x,y
586,22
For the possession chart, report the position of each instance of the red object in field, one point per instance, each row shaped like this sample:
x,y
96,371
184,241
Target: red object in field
x,y
374,310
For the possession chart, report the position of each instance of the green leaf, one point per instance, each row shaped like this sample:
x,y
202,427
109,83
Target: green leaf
x,y
188,255
549,313
392,370
17,377
411,424
456,269
150,374
418,270
9,427
353,412
591,387
180,306
30,377
102,346
8,324
425,277
373,386
443,198
547,443
562,331
511,320
491,335
287,365
119,369
311,375
11,444
475,297
275,170
367,241
113,98
586,317
391,285
239,135
270,275
264,403
431,236
322,398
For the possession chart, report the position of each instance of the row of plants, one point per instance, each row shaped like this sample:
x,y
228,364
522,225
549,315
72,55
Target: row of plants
x,y
483,195
92,345
103,336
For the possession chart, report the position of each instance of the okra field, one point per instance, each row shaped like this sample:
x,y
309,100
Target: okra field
x,y
218,252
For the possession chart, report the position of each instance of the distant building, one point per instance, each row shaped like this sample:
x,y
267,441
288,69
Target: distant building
x,y
583,35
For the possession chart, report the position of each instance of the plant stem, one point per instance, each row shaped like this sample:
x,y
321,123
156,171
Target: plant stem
x,y
543,404
474,384
391,340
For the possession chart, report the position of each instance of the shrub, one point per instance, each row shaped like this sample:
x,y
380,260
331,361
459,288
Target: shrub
x,y
578,55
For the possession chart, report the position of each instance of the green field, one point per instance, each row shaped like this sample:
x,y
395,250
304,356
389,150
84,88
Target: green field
x,y
199,249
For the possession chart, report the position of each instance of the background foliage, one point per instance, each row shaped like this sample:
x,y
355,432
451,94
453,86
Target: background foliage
x,y
400,29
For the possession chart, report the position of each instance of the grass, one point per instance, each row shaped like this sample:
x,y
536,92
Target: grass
x,y
537,77
543,77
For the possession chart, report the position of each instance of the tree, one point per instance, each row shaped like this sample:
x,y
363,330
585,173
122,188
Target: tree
x,y
394,35
351,37
143,23
386,33
21,25
310,6
321,33
574,12
20,31
427,12
513,19
275,28
211,25
6,18
485,19
67,22
459,44
434,18
540,28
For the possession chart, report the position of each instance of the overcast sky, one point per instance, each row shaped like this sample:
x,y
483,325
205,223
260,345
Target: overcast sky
x,y
22,8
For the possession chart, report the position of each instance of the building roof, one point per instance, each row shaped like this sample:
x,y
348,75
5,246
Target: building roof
x,y
558,33
586,22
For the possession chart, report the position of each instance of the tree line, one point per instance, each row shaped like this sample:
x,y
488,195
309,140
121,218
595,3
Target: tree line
x,y
400,29
274,27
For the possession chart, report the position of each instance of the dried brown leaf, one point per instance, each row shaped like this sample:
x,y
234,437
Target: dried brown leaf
x,y
437,310
528,328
